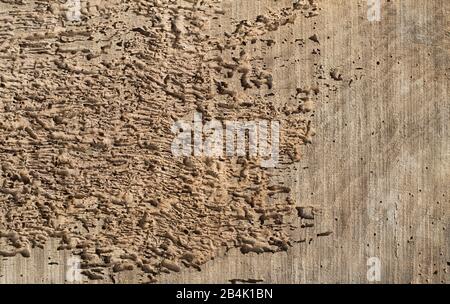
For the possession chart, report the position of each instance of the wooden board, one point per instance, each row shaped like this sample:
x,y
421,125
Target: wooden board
x,y
379,166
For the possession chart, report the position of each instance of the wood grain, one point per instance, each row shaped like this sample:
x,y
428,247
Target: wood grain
x,y
378,169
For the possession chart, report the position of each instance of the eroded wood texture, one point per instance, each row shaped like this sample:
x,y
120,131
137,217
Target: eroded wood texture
x,y
379,166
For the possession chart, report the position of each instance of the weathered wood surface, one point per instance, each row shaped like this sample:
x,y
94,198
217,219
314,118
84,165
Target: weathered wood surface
x,y
379,167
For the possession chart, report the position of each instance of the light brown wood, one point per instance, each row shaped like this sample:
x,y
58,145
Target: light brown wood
x,y
379,166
